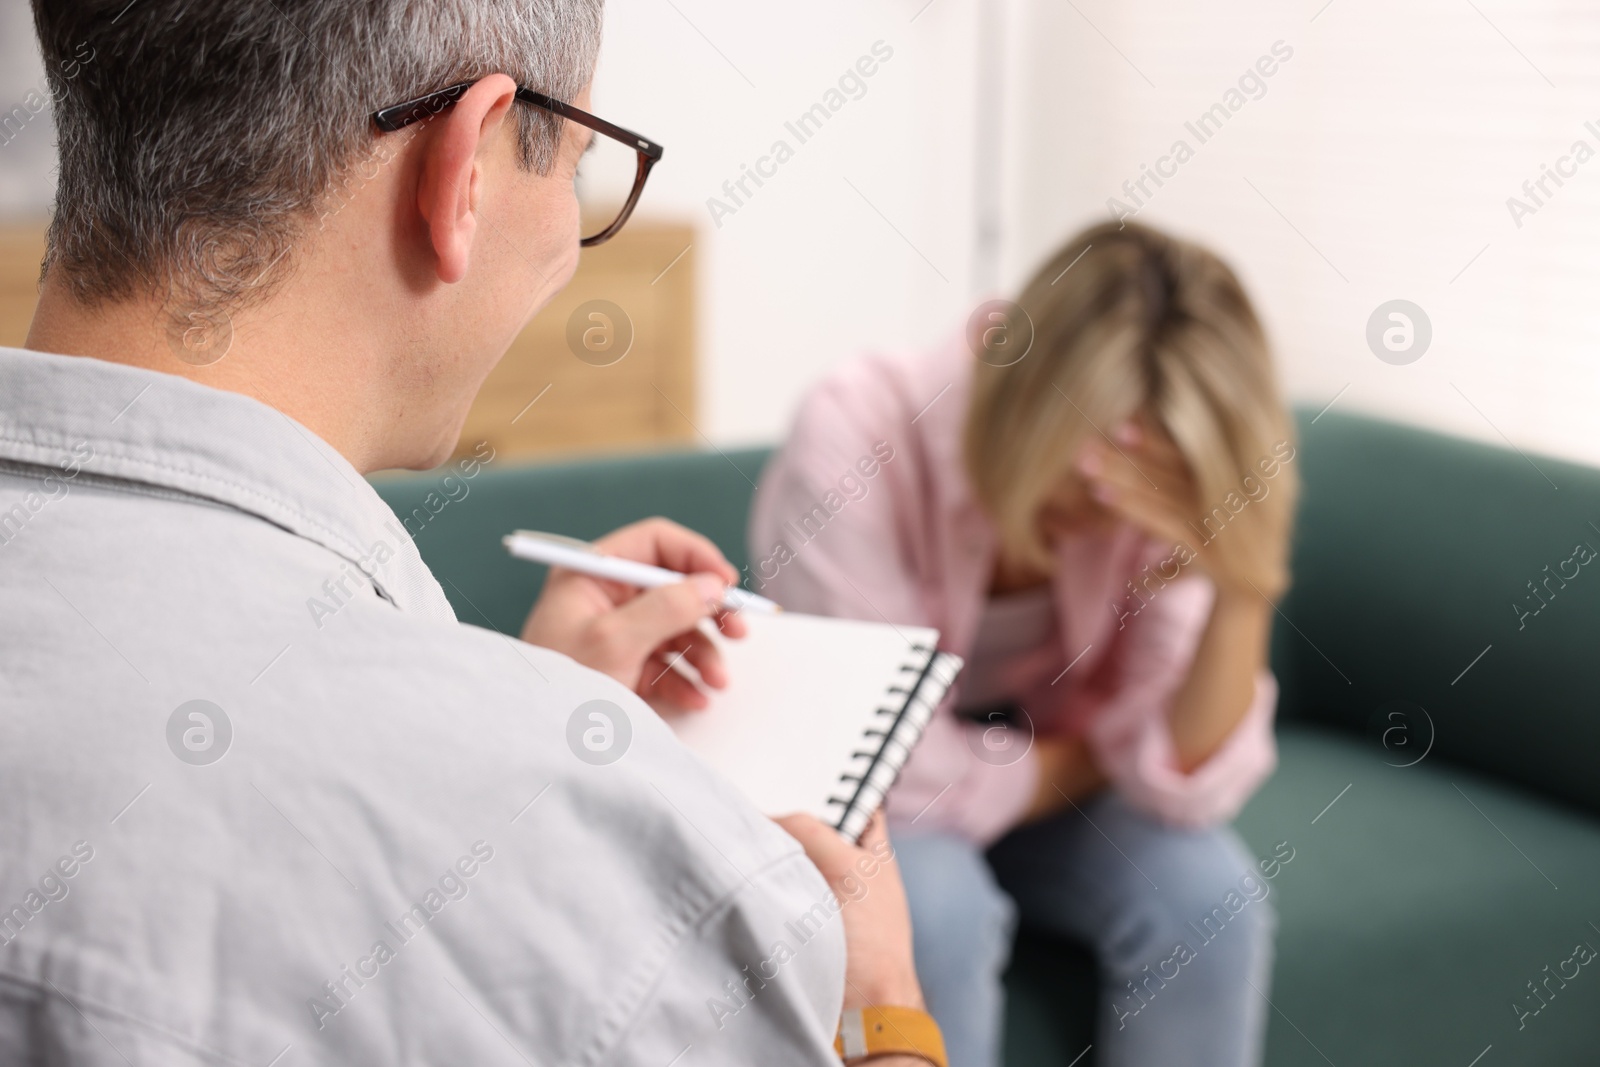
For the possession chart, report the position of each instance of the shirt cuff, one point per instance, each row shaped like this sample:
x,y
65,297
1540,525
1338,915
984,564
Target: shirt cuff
x,y
1143,765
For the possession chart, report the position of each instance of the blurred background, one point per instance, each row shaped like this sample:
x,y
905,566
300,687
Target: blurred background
x,y
845,176
1374,163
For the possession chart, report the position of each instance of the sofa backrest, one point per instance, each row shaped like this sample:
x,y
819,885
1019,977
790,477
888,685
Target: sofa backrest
x,y
1416,558
458,532
1411,552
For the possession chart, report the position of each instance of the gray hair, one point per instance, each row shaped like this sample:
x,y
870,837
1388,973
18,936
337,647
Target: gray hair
x,y
200,141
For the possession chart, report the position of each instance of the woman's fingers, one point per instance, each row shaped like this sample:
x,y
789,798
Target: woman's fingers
x,y
1131,474
1150,511
1145,461
1144,487
1165,466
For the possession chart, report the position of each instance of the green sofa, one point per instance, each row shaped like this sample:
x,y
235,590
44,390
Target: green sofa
x,y
1439,740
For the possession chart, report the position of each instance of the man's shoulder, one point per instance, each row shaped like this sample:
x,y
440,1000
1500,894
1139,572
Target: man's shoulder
x,y
320,798
315,679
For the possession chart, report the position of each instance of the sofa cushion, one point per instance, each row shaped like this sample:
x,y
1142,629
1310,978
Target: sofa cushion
x,y
1413,913
1419,905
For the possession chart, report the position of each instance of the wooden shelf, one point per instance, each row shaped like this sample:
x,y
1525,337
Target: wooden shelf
x,y
21,252
645,398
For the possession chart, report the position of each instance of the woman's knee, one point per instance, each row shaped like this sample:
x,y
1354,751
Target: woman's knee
x,y
1211,901
1224,882
960,917
1235,926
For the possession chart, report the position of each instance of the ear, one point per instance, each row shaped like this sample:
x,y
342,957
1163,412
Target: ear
x,y
447,194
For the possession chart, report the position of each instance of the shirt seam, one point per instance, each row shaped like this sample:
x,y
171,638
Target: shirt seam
x,y
113,484
156,465
83,1002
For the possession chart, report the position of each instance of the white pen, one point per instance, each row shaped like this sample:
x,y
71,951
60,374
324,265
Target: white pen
x,y
573,554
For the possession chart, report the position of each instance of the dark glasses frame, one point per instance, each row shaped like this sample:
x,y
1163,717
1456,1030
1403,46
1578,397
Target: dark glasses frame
x,y
398,117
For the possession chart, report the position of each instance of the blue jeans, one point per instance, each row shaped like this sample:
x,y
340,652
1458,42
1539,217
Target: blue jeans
x,y
1178,921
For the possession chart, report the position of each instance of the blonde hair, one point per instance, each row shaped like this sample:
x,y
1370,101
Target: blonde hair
x,y
1143,322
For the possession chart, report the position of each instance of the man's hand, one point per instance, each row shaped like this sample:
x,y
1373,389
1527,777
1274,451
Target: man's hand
x,y
636,635
879,971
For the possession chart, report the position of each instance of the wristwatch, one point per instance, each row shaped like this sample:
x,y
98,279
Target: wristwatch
x,y
868,1033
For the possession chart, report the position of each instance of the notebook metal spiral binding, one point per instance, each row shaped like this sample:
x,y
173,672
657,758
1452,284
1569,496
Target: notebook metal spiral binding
x,y
879,765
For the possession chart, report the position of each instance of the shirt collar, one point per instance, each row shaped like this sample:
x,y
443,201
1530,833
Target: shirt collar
x,y
160,430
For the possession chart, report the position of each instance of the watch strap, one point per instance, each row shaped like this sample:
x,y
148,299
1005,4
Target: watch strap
x,y
867,1033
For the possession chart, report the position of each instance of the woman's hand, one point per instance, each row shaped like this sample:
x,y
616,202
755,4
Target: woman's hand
x,y
1149,484
636,635
1067,774
879,970
1144,479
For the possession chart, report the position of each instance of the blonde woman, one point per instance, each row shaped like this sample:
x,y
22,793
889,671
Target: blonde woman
x,y
1091,498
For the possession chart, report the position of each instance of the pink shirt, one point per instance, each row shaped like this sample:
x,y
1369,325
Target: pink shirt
x,y
1016,654
866,512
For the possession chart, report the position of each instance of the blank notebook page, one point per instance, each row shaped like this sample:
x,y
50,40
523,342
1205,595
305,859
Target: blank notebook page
x,y
813,705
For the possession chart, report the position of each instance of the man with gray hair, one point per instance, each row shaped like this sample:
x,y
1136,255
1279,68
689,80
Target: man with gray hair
x,y
291,238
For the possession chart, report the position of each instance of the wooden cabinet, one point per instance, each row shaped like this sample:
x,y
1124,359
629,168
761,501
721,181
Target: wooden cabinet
x,y
21,252
609,364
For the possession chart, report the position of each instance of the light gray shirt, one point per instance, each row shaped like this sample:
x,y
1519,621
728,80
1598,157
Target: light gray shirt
x,y
264,801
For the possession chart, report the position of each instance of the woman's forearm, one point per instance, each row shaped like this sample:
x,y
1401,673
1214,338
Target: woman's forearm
x,y
1221,684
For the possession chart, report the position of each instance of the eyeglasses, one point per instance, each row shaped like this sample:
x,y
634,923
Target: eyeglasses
x,y
615,161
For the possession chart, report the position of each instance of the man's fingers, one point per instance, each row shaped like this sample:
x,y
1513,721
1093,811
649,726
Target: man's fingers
x,y
664,682
814,835
732,623
667,676
877,830
663,685
656,616
707,659
831,853
663,543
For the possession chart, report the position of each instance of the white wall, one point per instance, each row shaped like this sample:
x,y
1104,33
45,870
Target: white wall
x,y
1391,141
807,272
27,153
1389,144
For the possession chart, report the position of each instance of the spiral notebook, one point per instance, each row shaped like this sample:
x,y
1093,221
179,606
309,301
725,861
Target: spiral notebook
x,y
820,714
